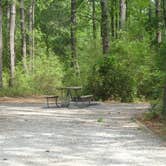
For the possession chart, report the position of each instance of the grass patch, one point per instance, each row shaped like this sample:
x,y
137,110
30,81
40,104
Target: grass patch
x,y
100,120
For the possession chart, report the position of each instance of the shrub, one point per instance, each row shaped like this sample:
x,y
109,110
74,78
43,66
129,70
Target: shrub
x,y
109,81
128,73
46,76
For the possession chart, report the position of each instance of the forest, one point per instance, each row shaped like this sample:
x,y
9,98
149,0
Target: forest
x,y
114,49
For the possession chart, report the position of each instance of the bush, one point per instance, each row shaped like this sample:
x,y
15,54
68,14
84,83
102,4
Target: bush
x,y
47,74
109,81
128,73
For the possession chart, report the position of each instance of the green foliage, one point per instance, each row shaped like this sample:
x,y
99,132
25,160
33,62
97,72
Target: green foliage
x,y
161,57
46,76
89,57
127,73
108,81
70,78
100,120
151,115
155,111
54,21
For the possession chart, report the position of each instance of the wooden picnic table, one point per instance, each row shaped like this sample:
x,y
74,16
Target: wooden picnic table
x,y
69,94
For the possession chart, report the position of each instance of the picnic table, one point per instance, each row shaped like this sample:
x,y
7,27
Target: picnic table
x,y
69,94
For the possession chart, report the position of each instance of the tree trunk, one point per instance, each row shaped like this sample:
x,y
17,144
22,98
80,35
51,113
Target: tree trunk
x,y
33,32
105,27
127,12
8,16
112,19
164,94
30,28
150,12
7,36
94,18
30,33
12,43
164,12
150,20
116,17
73,38
158,16
1,44
23,34
164,101
122,13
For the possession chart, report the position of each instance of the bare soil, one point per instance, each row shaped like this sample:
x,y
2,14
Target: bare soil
x,y
33,99
157,125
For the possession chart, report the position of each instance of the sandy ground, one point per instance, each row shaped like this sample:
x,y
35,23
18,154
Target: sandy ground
x,y
21,100
99,135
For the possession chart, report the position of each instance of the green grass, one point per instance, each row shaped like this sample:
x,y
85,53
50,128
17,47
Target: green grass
x,y
100,120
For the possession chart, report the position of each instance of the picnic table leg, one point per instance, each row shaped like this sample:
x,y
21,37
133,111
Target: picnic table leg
x,y
69,94
68,97
47,102
56,101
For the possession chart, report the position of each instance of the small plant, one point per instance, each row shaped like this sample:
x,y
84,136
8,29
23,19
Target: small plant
x,y
139,128
132,119
100,120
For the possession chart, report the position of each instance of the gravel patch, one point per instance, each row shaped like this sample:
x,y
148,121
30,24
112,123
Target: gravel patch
x,y
100,135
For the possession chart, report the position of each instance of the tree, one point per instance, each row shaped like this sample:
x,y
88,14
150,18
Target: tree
x,y
122,13
164,11
150,13
6,36
94,18
31,33
73,38
164,100
30,50
112,14
116,4
8,14
164,90
12,42
23,34
158,16
105,26
1,45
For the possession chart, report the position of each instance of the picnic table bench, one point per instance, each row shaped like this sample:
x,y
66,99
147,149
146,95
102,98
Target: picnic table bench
x,y
88,98
52,98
